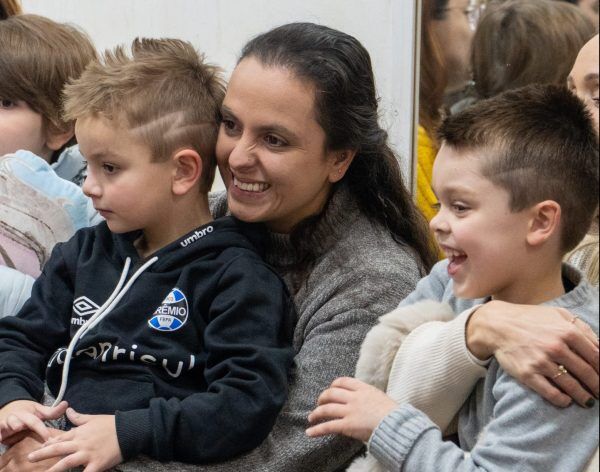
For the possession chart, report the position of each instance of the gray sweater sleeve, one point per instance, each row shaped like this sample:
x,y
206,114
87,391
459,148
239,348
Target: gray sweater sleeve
x,y
527,434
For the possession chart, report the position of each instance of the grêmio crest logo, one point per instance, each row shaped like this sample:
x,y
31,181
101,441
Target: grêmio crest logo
x,y
172,312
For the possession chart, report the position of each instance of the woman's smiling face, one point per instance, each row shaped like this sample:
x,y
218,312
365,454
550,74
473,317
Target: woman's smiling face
x,y
271,150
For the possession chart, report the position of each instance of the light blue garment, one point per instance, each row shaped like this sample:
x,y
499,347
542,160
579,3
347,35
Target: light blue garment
x,y
40,175
71,165
503,426
38,208
15,289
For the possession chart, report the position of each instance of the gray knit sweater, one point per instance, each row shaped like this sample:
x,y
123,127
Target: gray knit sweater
x,y
503,426
360,274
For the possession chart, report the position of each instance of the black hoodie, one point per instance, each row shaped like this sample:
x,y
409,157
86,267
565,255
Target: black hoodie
x,y
193,359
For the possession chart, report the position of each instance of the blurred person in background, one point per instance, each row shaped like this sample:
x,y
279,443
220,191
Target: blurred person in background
x,y
584,81
9,8
447,28
521,42
589,7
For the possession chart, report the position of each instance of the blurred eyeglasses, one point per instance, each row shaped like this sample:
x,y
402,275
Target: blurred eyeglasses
x,y
473,12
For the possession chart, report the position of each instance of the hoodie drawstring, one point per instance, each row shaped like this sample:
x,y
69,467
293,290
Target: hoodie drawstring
x,y
103,311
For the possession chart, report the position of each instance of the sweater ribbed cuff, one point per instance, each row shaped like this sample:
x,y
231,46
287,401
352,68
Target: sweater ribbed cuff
x,y
395,436
133,432
464,317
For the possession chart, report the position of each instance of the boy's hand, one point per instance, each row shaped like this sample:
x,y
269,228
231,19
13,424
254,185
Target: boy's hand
x,y
22,415
352,408
92,443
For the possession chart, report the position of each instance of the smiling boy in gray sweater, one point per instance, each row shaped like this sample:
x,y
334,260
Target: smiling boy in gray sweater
x,y
517,183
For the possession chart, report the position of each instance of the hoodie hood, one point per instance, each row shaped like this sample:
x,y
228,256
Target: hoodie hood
x,y
214,237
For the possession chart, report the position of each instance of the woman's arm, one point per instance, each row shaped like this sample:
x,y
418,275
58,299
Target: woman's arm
x,y
529,341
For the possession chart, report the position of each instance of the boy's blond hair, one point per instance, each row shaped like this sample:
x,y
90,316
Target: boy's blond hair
x,y
163,93
37,58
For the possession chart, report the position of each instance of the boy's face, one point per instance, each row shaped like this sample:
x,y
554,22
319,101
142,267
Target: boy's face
x,y
483,240
22,128
127,188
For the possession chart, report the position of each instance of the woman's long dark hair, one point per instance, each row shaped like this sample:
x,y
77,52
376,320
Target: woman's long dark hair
x,y
347,109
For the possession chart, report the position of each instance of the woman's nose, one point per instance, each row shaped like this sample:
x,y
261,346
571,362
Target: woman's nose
x,y
243,154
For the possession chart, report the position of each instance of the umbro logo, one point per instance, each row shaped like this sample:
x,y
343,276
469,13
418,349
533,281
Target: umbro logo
x,y
83,307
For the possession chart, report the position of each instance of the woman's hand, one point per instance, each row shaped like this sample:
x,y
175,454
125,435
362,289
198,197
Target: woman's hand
x,y
21,445
350,407
531,342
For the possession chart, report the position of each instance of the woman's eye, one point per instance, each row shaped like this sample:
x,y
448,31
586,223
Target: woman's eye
x,y
596,101
6,103
228,125
436,206
274,141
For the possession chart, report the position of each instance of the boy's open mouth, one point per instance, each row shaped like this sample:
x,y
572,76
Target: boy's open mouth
x,y
455,259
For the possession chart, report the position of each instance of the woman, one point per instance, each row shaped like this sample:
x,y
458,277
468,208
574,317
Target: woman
x,y
301,150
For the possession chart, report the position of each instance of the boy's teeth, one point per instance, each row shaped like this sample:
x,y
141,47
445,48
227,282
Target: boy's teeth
x,y
251,187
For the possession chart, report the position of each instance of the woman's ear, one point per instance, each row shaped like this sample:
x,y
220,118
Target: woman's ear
x,y
187,171
341,161
544,223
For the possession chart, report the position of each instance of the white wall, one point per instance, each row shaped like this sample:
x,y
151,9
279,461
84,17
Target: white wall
x,y
221,27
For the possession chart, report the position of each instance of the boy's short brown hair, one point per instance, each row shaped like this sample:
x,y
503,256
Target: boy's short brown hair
x,y
163,93
37,58
539,144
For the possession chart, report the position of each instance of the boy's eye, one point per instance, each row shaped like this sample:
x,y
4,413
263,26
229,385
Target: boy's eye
x,y
436,206
6,103
109,168
459,208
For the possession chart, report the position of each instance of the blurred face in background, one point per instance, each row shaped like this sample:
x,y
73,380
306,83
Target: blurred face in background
x,y
583,79
454,24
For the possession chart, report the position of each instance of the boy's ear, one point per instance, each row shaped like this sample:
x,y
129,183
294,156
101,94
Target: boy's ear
x,y
544,223
341,164
56,138
187,171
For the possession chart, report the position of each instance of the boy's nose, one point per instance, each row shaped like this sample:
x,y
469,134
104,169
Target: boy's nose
x,y
90,187
439,224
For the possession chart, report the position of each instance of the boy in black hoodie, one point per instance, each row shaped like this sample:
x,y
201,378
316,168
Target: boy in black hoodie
x,y
162,329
